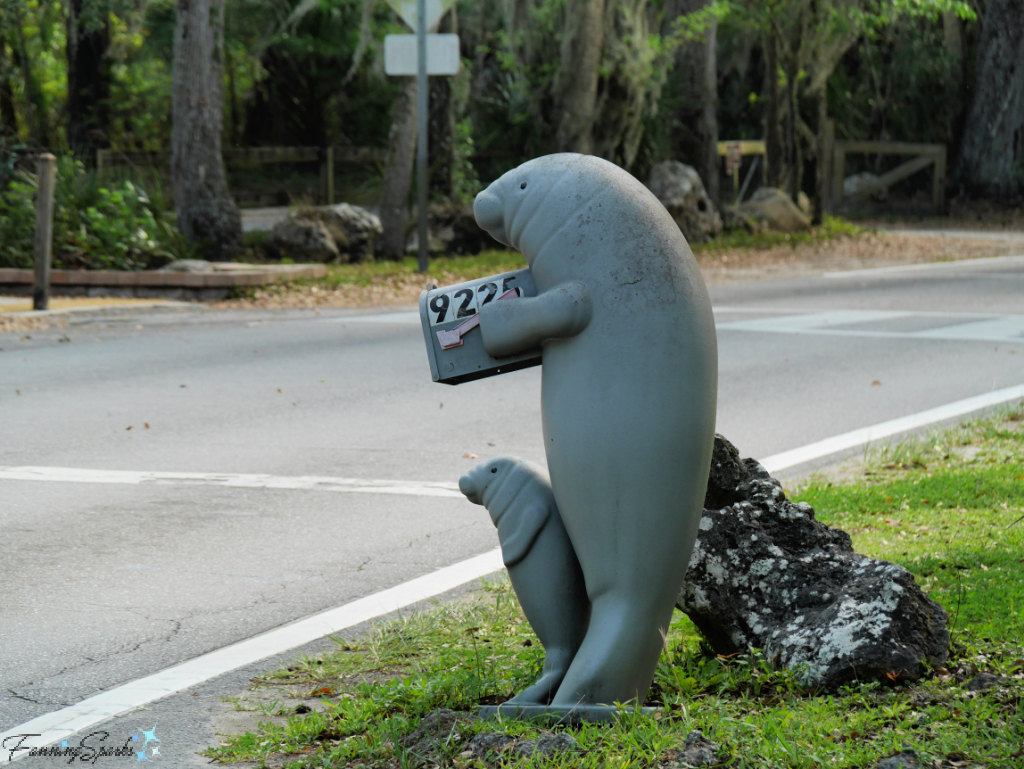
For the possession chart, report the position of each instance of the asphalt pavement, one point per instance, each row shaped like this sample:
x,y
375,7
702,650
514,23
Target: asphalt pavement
x,y
113,567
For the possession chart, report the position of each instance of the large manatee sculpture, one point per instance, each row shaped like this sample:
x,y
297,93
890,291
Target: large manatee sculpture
x,y
629,387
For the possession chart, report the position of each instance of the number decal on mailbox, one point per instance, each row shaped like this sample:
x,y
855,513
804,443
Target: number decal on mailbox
x,y
468,306
439,308
446,307
490,289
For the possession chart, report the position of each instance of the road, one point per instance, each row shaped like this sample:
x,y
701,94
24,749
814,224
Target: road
x,y
108,577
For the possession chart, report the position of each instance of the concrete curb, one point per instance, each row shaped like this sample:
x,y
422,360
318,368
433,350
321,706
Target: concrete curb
x,y
157,284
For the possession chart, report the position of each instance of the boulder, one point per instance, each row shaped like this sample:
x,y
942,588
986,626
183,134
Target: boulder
x,y
355,230
765,574
773,209
188,265
304,240
681,191
852,186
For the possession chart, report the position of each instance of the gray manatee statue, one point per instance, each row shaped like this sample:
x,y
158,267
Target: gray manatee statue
x,y
540,560
628,395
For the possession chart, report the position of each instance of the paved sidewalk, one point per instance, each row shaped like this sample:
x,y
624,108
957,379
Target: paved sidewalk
x,y
22,305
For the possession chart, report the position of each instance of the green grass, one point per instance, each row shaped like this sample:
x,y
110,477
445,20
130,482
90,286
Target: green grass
x,y
831,228
943,506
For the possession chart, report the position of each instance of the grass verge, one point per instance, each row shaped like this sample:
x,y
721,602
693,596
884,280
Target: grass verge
x,y
946,506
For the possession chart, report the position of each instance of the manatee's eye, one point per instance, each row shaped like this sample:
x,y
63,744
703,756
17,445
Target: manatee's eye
x,y
522,186
494,469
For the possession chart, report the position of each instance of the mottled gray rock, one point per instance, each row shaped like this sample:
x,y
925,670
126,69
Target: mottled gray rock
x,y
188,265
905,759
696,751
852,186
772,209
547,744
491,744
437,736
304,240
984,681
765,574
487,744
355,230
681,191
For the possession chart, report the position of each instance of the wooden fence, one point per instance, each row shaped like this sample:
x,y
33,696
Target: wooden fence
x,y
835,171
325,156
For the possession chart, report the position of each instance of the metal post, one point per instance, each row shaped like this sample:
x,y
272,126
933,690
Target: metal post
x,y
44,231
421,144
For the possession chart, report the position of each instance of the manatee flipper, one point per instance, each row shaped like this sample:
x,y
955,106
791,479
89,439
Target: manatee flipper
x,y
517,536
510,327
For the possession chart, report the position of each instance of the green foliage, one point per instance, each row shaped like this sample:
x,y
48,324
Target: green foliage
x,y
831,228
96,226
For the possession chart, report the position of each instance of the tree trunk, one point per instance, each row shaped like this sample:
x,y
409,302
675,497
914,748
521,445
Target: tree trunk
x,y
695,76
577,91
709,114
772,140
824,158
394,202
206,212
88,81
991,160
794,158
8,115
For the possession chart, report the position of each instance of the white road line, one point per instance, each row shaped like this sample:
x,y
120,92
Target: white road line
x,y
902,268
409,316
63,723
974,326
868,435
231,480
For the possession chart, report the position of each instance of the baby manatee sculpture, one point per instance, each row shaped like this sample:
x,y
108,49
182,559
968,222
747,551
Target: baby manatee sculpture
x,y
628,396
540,561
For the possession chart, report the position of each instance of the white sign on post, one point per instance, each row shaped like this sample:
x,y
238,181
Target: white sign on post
x,y
400,52
407,10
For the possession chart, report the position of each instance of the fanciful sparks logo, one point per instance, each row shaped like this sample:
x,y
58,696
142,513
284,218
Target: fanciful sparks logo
x,y
145,751
143,744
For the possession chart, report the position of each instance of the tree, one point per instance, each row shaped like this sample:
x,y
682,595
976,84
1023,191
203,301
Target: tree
x,y
206,212
695,73
582,41
88,39
394,201
991,159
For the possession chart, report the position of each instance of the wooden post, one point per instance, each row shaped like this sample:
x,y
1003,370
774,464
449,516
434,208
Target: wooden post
x,y
828,139
44,231
939,182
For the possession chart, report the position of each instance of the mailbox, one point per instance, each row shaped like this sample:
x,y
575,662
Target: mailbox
x,y
451,316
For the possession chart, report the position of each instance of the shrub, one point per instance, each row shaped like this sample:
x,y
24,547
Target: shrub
x,y
95,226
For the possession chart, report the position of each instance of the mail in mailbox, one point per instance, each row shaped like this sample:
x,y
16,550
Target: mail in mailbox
x,y
450,317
